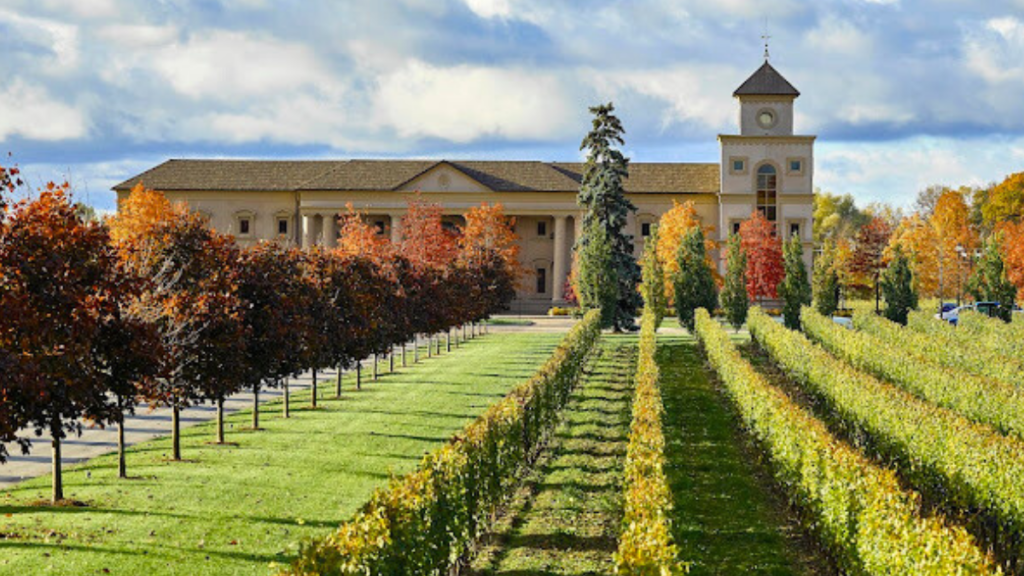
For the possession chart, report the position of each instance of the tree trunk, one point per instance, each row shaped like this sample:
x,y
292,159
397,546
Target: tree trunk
x,y
448,339
416,348
312,395
122,465
877,294
175,432
287,400
403,354
359,375
430,345
220,420
437,339
391,360
58,479
337,390
255,406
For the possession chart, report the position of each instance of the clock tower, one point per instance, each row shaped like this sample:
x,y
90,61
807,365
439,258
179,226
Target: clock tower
x,y
767,168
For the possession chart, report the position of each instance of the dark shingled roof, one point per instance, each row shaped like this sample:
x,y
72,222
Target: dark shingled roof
x,y
373,175
766,82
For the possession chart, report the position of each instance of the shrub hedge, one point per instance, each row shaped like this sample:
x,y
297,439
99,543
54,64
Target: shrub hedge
x,y
645,544
988,354
427,521
993,333
858,509
971,467
893,360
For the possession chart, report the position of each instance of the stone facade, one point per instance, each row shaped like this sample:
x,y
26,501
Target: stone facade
x,y
765,167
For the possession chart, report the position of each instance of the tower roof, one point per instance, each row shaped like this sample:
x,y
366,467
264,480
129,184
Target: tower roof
x,y
766,82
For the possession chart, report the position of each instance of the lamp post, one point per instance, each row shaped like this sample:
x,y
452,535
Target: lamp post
x,y
959,254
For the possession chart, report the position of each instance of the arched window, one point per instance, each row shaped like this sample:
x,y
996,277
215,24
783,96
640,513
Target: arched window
x,y
767,190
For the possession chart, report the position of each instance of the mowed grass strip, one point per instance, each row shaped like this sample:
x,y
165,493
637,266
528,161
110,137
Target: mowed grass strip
x,y
237,509
567,519
725,521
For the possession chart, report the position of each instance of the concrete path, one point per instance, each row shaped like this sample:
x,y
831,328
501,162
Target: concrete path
x,y
146,425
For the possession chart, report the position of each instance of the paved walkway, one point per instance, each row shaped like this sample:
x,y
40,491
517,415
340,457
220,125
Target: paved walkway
x,y
146,425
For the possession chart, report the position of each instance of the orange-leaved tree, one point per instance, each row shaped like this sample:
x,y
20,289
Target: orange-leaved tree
x,y
672,228
138,213
425,241
952,223
1005,201
489,232
763,248
488,263
916,237
1012,234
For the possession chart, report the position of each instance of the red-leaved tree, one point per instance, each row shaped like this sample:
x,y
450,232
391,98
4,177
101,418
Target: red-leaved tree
x,y
763,248
869,253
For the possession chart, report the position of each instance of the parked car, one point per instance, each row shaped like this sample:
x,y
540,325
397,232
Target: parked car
x,y
987,308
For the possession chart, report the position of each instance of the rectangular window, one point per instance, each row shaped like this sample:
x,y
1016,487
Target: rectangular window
x,y
542,228
282,226
243,226
379,225
794,230
737,165
736,227
542,280
795,165
645,229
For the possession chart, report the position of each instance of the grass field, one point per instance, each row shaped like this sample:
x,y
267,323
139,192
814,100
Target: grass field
x,y
726,519
567,518
238,509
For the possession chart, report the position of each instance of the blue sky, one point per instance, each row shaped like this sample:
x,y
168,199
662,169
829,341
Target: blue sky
x,y
901,93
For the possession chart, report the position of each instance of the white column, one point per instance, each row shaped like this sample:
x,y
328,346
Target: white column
x,y
331,231
396,228
307,230
558,273
318,229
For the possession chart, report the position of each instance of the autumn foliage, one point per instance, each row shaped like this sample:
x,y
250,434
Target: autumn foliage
x,y
672,229
763,248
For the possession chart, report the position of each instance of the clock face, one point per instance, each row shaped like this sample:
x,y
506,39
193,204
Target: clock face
x,y
766,118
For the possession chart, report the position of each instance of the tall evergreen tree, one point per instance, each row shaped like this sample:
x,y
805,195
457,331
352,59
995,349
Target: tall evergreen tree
x,y
898,288
795,289
598,286
654,278
694,283
826,281
735,299
989,283
605,205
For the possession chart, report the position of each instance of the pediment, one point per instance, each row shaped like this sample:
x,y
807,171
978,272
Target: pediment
x,y
443,178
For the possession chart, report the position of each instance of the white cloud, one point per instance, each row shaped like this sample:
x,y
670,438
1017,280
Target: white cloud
x,y
996,51
490,8
135,36
298,119
230,65
36,116
698,93
58,38
837,36
91,9
464,103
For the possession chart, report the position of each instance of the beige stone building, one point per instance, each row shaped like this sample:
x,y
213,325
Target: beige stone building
x,y
766,167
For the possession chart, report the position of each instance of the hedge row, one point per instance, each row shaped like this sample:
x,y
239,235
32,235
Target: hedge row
x,y
645,545
988,356
894,360
428,521
972,467
859,510
1006,339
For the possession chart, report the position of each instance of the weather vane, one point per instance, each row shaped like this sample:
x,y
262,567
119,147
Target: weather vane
x,y
766,38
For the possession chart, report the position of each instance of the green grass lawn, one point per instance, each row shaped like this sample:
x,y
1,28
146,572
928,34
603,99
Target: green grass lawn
x,y
238,509
726,520
568,517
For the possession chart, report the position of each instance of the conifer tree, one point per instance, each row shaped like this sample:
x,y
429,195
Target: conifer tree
x,y
654,278
795,289
826,281
598,285
694,283
990,282
605,206
734,293
898,288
